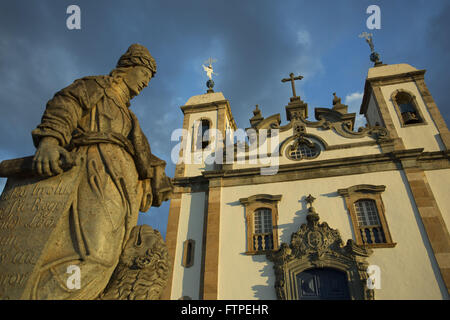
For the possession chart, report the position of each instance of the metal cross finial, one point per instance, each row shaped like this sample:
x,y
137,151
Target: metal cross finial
x,y
374,56
209,69
369,40
292,79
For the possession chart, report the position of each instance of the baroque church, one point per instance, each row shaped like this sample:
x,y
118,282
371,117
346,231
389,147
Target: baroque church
x,y
346,213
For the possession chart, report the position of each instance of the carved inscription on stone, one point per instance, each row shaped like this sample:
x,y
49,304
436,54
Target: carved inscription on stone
x,y
30,209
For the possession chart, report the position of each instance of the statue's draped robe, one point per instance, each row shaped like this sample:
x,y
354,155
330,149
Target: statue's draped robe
x,y
119,176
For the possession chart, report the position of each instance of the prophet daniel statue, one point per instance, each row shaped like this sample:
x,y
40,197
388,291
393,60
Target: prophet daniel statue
x,y
68,215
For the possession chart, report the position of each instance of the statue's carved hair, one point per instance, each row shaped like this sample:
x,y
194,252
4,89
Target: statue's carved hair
x,y
137,55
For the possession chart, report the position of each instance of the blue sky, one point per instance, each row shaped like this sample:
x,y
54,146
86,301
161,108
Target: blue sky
x,y
256,44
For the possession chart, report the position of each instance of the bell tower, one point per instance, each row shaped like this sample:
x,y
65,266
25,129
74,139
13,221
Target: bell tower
x,y
207,120
397,98
194,212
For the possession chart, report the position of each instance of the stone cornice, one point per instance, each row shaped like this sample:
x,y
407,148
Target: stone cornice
x,y
387,80
335,167
392,161
403,76
200,107
211,106
366,188
259,198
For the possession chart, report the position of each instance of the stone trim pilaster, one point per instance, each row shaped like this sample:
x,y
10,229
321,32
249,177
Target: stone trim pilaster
x,y
386,117
180,168
434,111
210,275
171,238
432,220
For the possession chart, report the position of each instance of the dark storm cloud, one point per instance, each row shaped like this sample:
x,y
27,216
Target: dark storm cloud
x,y
437,60
256,42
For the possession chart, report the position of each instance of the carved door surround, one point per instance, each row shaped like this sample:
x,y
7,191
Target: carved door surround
x,y
316,245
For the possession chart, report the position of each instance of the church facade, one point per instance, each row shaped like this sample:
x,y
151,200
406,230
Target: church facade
x,y
328,212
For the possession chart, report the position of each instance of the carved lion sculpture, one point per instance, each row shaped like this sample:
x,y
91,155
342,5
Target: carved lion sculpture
x,y
143,268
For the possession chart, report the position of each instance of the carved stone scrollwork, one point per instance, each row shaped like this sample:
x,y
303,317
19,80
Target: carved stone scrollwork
x,y
143,269
316,245
327,119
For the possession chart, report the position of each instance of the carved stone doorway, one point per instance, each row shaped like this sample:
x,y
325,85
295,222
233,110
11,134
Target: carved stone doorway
x,y
316,246
322,284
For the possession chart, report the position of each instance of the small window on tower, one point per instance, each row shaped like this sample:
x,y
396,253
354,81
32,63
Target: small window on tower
x,y
188,253
203,138
407,108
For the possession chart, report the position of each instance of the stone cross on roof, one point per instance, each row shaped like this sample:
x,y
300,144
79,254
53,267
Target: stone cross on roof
x,y
292,79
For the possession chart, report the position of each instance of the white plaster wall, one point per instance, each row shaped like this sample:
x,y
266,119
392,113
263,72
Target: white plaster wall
x,y
324,155
330,137
407,271
333,138
419,136
439,181
197,160
186,281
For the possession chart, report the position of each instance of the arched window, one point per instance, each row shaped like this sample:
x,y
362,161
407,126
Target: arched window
x,y
302,148
407,108
303,152
203,137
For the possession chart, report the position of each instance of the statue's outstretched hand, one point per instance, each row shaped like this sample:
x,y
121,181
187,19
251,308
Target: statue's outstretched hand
x,y
50,158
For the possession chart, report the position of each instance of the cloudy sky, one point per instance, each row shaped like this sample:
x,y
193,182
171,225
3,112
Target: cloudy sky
x,y
256,44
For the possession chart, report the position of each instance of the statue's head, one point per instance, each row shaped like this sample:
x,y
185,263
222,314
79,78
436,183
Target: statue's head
x,y
136,67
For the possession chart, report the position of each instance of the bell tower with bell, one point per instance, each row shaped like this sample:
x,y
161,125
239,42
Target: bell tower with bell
x,y
397,98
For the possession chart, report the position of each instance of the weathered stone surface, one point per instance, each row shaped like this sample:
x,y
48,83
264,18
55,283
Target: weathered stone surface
x,y
30,210
143,269
73,205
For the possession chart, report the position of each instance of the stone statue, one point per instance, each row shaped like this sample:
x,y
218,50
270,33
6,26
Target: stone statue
x,y
92,173
143,268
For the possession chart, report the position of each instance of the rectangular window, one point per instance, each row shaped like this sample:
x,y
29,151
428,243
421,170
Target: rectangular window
x,y
263,221
261,214
366,211
263,236
367,214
